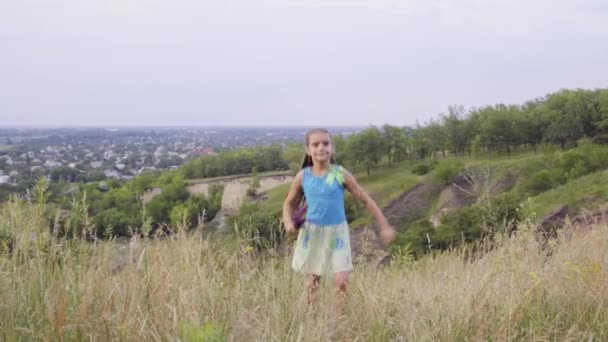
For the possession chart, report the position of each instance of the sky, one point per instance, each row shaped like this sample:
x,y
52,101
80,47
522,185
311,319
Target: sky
x,y
288,62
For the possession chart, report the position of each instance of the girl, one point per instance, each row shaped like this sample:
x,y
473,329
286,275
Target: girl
x,y
323,244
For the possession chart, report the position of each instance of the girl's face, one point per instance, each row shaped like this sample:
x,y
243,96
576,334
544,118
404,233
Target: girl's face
x,y
319,147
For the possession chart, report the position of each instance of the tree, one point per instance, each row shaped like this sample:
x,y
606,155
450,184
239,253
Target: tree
x,y
497,129
393,138
564,126
436,136
293,155
340,149
455,129
365,148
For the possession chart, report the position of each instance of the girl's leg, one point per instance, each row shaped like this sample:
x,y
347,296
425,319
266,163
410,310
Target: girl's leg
x,y
342,283
312,285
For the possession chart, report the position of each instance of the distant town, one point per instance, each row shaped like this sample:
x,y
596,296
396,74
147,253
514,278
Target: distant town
x,y
93,154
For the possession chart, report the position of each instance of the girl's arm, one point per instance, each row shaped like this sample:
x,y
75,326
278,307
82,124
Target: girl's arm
x,y
387,232
290,202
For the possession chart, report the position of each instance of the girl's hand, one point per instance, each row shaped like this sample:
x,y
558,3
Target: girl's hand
x,y
290,228
387,234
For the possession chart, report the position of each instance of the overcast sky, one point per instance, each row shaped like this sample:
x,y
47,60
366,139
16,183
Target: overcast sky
x,y
288,62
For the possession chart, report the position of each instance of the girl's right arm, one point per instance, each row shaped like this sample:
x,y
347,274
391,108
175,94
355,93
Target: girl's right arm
x,y
290,202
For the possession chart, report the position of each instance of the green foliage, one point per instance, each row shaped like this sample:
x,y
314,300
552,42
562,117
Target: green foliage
x,y
145,181
251,192
447,170
589,191
208,332
353,207
24,227
421,169
201,209
253,186
415,238
542,181
116,222
7,242
463,226
458,227
179,217
257,228
365,149
241,161
293,155
395,143
567,166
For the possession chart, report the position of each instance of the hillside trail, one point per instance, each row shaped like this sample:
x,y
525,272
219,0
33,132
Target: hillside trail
x,y
412,205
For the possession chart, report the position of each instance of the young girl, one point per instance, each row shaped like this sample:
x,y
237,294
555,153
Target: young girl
x,y
323,244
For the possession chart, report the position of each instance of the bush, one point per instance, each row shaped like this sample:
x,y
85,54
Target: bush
x,y
461,226
257,228
414,238
447,170
353,207
180,218
116,222
538,183
421,169
503,214
251,192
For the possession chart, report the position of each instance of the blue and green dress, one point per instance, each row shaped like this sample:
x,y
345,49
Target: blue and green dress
x,y
323,244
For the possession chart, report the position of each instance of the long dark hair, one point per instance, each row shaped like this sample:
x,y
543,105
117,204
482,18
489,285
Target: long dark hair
x,y
307,160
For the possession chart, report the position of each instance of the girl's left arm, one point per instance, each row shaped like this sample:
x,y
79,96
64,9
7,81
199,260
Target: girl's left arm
x,y
387,232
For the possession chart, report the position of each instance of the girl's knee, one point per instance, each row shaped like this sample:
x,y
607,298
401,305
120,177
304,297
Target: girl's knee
x,y
342,281
313,281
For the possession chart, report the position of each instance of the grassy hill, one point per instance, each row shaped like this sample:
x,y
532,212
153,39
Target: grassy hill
x,y
494,174
191,289
588,192
219,288
493,192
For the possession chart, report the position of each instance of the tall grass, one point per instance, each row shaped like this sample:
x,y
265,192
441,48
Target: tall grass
x,y
189,288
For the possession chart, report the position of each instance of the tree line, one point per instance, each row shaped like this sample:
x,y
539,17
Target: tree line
x,y
562,118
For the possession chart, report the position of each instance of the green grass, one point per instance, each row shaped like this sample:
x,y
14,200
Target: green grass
x,y
384,186
276,196
586,192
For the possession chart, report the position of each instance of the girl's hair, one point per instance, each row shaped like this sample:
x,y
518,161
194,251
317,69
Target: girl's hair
x,y
300,198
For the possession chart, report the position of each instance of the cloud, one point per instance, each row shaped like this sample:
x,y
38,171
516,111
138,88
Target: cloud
x,y
289,60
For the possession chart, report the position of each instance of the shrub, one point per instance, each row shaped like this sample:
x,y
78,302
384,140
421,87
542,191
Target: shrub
x,y
447,170
421,169
353,207
257,228
538,183
414,238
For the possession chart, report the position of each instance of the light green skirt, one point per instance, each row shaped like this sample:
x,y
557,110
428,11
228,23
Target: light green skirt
x,y
322,250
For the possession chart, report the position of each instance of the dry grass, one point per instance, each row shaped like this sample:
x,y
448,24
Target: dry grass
x,y
186,288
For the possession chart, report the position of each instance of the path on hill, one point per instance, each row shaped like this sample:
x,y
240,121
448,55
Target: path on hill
x,y
401,212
